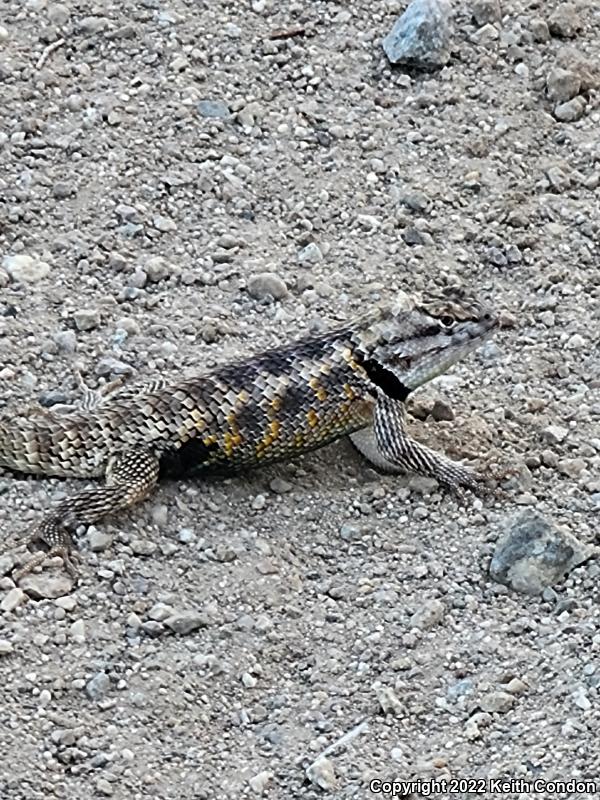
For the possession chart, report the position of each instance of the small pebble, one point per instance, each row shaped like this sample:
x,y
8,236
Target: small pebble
x,y
98,687
311,254
12,600
321,774
266,285
26,269
6,647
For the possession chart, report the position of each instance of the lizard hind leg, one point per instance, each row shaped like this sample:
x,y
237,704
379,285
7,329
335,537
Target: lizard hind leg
x,y
130,477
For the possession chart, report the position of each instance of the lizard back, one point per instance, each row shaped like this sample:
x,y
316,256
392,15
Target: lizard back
x,y
265,408
287,400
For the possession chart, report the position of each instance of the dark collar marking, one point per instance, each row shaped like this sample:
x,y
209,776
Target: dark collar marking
x,y
385,379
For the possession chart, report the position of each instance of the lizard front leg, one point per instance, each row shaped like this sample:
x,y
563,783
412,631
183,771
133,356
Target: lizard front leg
x,y
130,477
393,448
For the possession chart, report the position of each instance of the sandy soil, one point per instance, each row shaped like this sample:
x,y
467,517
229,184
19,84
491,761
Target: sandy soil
x,y
226,633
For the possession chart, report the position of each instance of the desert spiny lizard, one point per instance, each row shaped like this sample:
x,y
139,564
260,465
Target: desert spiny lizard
x,y
349,381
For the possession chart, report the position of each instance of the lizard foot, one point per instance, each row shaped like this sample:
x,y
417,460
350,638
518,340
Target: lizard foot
x,y
40,556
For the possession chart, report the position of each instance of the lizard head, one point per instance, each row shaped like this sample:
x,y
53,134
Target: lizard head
x,y
416,340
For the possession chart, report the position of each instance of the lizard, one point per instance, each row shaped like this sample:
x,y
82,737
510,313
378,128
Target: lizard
x,y
352,380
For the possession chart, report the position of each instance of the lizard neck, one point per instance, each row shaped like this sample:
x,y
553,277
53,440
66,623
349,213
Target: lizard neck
x,y
385,380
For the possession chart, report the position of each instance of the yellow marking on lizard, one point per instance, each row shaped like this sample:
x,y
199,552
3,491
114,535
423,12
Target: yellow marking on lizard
x,y
349,391
312,417
268,438
231,441
348,357
275,427
232,438
318,389
198,418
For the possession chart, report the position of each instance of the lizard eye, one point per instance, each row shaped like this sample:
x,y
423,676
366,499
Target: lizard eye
x,y
447,321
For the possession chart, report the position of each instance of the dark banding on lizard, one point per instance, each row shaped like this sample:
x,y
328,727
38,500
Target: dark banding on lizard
x,y
352,380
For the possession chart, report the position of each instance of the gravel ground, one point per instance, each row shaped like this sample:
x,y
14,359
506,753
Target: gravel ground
x,y
158,160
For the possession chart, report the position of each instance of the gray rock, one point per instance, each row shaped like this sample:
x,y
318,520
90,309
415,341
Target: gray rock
x,y
184,622
86,319
516,686
559,181
562,85
534,553
311,254
565,21
349,531
161,612
157,269
164,224
248,680
555,434
58,14
91,25
430,614
570,111
441,411
186,535
143,547
7,560
62,190
259,782
321,774
460,689
66,341
98,540
486,11
228,241
496,702
12,599
6,647
160,515
98,687
513,254
69,603
539,29
416,201
581,699
414,237
25,269
264,285
421,36
572,467
213,108
388,700
587,69
111,367
46,586
496,256
279,486
77,631
259,502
